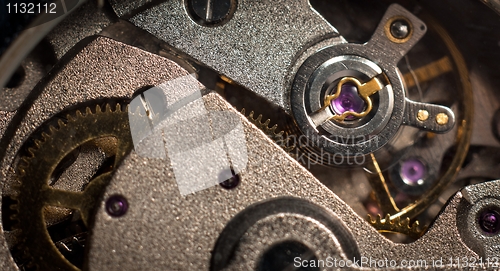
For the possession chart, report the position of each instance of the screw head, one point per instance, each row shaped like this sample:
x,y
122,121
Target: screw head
x,y
116,206
442,119
210,12
489,221
400,29
422,115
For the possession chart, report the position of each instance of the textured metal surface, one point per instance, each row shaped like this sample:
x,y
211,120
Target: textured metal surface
x,y
36,171
386,54
92,74
273,230
85,21
167,231
19,49
274,221
127,7
431,123
117,73
475,199
34,67
244,49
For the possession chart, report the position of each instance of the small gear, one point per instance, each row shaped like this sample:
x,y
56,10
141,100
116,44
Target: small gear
x,y
279,138
35,171
396,225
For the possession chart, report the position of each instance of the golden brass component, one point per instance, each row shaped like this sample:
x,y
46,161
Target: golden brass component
x,y
441,119
396,225
36,170
381,190
429,71
280,138
364,91
387,29
422,115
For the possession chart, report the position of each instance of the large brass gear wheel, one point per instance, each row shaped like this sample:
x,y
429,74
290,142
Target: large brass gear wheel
x,y
35,172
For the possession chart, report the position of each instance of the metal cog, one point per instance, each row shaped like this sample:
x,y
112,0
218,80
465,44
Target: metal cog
x,y
396,225
279,138
34,173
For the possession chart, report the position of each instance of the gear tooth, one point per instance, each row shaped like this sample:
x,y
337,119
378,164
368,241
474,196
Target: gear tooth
x,y
88,111
45,136
32,151
98,109
396,221
243,112
108,108
266,123
26,160
79,114
397,225
387,219
415,225
270,132
273,129
370,219
405,223
14,217
70,118
52,129
118,108
61,123
14,207
38,143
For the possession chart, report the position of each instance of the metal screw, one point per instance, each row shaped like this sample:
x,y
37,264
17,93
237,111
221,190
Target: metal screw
x,y
400,29
116,205
211,11
489,221
442,119
422,115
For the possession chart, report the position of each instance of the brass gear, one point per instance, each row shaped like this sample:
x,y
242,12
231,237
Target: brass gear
x,y
35,171
280,138
396,225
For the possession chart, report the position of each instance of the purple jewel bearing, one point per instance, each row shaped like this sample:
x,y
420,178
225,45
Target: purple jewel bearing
x,y
413,171
489,221
116,205
348,100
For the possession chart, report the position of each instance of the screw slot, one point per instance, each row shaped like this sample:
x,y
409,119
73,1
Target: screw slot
x,y
211,12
